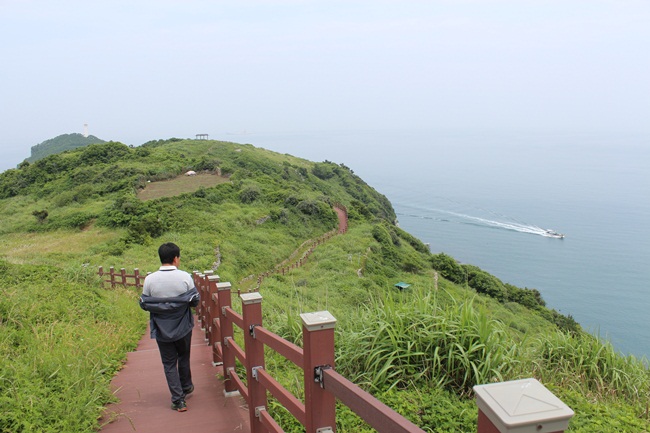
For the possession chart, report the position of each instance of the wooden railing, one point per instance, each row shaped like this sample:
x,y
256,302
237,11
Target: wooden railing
x,y
322,384
122,278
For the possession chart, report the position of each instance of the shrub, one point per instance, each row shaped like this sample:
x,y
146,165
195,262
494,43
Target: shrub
x,y
75,220
416,243
41,215
449,268
249,193
308,207
324,170
530,298
103,153
121,211
141,230
485,283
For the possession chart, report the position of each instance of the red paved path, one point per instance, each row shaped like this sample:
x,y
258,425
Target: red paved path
x,y
145,400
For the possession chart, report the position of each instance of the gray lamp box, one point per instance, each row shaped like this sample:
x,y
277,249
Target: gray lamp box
x,y
522,406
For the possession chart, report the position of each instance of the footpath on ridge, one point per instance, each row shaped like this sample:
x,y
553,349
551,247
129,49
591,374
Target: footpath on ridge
x,y
144,401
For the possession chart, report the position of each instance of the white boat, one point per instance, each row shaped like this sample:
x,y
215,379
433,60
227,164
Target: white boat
x,y
553,234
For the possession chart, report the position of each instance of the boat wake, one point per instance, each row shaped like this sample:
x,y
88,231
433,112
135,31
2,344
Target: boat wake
x,y
461,218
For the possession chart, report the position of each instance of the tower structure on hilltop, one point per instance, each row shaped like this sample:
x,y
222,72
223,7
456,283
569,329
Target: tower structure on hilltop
x,y
86,130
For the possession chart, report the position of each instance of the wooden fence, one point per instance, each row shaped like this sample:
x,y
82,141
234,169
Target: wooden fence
x,y
122,278
322,384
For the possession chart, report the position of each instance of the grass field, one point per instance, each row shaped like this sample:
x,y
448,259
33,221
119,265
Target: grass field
x,y
180,185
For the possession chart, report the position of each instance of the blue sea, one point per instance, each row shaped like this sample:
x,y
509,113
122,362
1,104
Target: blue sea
x,y
487,197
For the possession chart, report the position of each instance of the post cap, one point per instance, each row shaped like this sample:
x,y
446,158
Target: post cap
x,y
224,286
213,277
251,298
208,272
318,320
522,406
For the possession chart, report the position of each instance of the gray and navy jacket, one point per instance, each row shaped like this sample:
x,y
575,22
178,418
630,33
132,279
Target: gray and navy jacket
x,y
171,318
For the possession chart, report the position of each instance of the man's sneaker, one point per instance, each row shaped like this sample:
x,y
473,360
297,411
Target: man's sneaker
x,y
179,406
189,390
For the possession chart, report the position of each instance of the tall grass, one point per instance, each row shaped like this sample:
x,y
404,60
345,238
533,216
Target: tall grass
x,y
61,340
591,366
398,342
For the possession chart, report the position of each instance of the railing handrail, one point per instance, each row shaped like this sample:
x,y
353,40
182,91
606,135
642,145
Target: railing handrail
x,y
374,412
281,346
216,316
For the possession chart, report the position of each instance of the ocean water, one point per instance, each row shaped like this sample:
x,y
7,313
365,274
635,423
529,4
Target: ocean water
x,y
486,198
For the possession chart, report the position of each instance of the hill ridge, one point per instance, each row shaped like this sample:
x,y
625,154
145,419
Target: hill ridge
x,y
61,143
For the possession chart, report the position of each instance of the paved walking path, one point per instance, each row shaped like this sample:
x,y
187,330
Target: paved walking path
x,y
145,400
144,404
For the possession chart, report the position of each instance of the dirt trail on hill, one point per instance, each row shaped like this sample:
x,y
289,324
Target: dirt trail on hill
x,y
291,262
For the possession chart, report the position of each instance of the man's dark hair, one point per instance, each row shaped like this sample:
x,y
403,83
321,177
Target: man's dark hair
x,y
167,252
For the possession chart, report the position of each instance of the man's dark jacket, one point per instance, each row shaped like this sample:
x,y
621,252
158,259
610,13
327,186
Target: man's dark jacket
x,y
171,318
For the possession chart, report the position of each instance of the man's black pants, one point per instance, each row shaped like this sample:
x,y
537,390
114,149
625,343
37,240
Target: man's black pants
x,y
175,357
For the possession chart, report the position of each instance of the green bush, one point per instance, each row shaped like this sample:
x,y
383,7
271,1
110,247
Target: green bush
x,y
103,153
485,283
41,215
121,211
324,170
449,268
249,193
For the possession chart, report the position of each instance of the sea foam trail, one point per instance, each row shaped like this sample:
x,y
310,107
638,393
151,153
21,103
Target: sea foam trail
x,y
477,221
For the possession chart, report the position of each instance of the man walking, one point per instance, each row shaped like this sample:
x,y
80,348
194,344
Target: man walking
x,y
167,295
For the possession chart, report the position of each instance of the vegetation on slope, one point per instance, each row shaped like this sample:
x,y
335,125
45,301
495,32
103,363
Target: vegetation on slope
x,y
61,144
420,350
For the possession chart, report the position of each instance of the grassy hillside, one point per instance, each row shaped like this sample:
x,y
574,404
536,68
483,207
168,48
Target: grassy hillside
x,y
420,350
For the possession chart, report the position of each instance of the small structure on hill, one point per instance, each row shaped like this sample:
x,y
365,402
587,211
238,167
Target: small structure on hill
x,y
201,136
190,173
401,285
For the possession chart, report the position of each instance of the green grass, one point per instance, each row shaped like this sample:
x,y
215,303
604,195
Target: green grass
x,y
61,341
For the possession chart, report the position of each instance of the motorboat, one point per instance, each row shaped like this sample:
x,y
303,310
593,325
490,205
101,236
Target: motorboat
x,y
553,234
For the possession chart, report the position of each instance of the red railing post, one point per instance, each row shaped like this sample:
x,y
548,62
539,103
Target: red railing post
x,y
227,353
252,315
100,272
198,284
318,349
123,275
212,315
205,283
112,273
136,275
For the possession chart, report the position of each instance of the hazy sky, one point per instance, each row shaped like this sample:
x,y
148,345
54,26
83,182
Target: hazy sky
x,y
141,70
